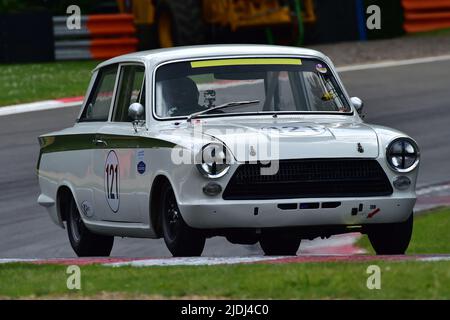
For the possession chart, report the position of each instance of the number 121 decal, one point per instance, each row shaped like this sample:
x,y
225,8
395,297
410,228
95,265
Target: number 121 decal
x,y
112,181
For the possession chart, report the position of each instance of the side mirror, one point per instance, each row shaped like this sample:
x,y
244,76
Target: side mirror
x,y
136,111
358,104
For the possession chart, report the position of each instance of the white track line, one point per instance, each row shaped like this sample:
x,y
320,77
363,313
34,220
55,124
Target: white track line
x,y
7,260
194,261
37,106
337,243
435,259
433,189
210,261
393,63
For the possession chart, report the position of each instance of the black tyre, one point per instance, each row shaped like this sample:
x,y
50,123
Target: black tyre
x,y
279,243
84,242
392,238
180,23
180,239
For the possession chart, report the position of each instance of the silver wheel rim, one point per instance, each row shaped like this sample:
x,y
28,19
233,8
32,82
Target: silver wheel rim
x,y
74,226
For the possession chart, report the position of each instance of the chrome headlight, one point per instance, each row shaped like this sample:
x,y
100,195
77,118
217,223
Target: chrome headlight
x,y
403,155
213,161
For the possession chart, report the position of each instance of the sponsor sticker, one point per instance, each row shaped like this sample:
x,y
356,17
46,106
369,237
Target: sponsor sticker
x,y
141,167
140,155
321,68
295,129
87,209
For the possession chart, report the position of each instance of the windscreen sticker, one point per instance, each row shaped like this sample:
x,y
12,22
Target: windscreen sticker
x,y
245,61
328,96
321,68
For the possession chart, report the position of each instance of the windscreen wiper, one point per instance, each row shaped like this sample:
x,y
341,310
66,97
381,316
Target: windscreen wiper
x,y
222,106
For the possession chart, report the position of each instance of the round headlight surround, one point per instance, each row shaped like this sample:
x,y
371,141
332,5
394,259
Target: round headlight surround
x,y
400,150
213,161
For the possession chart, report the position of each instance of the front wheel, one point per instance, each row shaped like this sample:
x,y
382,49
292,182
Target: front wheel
x,y
84,242
279,244
391,238
180,239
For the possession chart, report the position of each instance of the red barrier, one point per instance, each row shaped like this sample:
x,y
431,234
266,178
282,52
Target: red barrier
x,y
425,4
107,48
112,35
110,25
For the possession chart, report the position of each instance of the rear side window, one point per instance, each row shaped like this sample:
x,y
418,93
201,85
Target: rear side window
x,y
99,103
130,90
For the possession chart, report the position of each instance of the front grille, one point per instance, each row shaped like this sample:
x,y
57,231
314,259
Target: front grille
x,y
312,178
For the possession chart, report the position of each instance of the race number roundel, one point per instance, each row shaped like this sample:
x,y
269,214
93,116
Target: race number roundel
x,y
112,182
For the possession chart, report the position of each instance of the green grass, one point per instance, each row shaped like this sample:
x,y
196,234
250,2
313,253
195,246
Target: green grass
x,y
431,234
333,280
399,280
20,83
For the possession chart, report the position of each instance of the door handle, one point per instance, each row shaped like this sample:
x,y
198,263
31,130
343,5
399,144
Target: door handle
x,y
99,142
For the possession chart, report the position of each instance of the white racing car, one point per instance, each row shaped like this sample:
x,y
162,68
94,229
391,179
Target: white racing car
x,y
254,143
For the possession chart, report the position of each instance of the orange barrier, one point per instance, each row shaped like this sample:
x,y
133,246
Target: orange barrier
x,y
426,15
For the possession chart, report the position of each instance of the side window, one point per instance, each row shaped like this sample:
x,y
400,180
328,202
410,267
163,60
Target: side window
x,y
99,103
130,90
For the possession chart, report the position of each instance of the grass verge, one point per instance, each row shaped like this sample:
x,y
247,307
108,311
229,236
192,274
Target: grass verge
x,y
21,83
399,280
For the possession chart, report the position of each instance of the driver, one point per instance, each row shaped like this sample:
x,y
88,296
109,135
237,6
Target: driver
x,y
181,97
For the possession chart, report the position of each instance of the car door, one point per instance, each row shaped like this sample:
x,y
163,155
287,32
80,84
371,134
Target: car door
x,y
93,117
115,162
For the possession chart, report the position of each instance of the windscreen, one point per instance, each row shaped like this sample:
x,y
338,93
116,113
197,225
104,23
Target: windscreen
x,y
247,86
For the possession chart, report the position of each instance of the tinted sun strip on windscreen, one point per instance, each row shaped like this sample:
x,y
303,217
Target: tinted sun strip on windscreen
x,y
242,62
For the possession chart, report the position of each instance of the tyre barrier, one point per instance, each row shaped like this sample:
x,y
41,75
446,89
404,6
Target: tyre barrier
x,y
99,37
429,15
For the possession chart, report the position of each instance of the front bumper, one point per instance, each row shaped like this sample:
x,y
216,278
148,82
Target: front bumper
x,y
266,213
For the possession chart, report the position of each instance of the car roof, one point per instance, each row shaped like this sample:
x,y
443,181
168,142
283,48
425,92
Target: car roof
x,y
158,56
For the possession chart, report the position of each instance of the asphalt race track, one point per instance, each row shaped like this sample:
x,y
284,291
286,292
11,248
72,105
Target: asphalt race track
x,y
414,99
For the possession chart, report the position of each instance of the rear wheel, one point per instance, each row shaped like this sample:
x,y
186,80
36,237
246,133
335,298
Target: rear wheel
x,y
391,238
180,239
180,22
279,244
84,242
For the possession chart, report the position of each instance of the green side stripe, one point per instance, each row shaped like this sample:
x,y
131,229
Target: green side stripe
x,y
66,143
124,142
86,141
